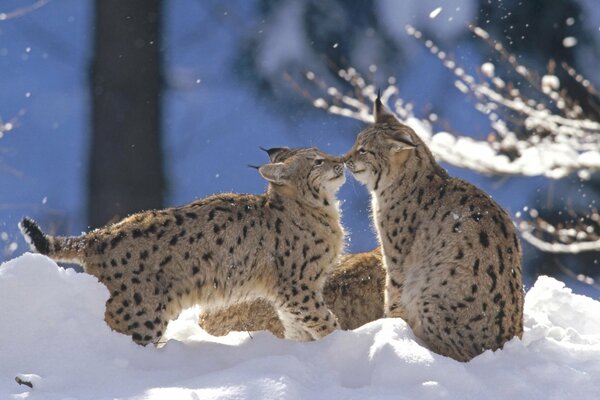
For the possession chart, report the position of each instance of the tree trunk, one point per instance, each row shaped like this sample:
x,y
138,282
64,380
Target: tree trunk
x,y
126,162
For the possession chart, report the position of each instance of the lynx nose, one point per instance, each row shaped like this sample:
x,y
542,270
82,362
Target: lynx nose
x,y
338,169
350,164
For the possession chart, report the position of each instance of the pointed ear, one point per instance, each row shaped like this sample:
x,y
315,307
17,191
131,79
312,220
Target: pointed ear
x,y
400,141
275,152
380,112
277,173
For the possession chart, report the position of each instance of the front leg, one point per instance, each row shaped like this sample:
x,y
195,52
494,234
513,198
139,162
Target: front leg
x,y
392,298
305,316
393,305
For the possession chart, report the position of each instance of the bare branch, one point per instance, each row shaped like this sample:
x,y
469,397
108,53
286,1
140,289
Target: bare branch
x,y
564,248
558,140
8,126
585,279
579,234
543,133
23,382
19,12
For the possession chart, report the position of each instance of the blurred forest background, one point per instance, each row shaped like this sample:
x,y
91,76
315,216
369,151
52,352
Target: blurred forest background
x,y
112,106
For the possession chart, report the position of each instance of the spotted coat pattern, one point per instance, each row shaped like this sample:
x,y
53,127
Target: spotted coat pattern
x,y
451,253
224,249
353,292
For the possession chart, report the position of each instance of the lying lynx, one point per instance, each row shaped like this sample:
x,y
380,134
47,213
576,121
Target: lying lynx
x,y
221,250
451,254
353,292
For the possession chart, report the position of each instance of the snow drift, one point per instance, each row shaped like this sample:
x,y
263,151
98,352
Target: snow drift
x,y
52,334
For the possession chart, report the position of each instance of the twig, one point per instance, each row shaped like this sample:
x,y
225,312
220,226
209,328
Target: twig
x,y
23,382
561,248
19,12
542,134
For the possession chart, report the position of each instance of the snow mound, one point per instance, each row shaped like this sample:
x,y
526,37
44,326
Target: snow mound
x,y
52,332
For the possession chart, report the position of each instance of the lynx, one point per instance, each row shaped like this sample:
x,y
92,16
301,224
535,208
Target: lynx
x,y
353,292
451,254
224,249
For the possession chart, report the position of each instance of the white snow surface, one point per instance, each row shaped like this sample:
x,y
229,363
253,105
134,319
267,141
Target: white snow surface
x,y
52,332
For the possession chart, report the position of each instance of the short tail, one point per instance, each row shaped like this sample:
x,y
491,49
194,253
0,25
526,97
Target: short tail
x,y
66,249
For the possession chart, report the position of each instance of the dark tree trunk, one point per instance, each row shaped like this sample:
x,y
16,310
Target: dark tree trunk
x,y
126,162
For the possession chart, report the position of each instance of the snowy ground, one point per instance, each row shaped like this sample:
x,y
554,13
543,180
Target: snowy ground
x,y
51,326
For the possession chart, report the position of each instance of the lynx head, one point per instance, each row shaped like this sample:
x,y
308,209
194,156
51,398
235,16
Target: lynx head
x,y
306,174
382,150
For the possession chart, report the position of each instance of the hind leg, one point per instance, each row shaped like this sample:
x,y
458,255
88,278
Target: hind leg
x,y
142,318
256,315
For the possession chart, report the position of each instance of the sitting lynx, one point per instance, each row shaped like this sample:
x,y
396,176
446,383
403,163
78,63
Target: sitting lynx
x,y
451,254
353,292
221,250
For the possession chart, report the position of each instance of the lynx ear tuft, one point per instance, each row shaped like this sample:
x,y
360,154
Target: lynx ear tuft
x,y
378,105
275,153
277,173
380,111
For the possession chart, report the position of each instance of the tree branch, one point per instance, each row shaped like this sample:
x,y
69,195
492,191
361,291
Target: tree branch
x,y
20,12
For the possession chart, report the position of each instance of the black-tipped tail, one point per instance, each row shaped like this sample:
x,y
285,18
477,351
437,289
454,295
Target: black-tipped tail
x,y
34,236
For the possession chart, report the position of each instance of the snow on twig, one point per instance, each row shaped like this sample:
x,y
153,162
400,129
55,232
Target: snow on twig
x,y
563,248
19,12
8,126
558,139
580,234
551,136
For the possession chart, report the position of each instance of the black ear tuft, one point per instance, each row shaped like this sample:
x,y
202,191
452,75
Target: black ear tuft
x,y
254,166
378,106
378,103
275,153
380,111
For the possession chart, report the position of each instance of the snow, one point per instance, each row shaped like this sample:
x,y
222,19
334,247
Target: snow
x,y
550,159
488,69
395,15
52,334
283,42
435,12
550,83
569,41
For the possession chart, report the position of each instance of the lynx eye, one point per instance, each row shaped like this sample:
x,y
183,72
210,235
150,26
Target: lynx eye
x,y
361,150
318,162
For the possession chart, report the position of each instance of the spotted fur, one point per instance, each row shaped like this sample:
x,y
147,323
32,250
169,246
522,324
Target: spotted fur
x,y
451,253
224,249
353,292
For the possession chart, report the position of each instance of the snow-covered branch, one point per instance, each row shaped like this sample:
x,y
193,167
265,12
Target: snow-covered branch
x,y
19,12
548,133
564,248
5,127
8,126
580,234
553,139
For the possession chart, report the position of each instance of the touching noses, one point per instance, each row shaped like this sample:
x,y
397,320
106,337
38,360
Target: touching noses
x,y
349,163
339,168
